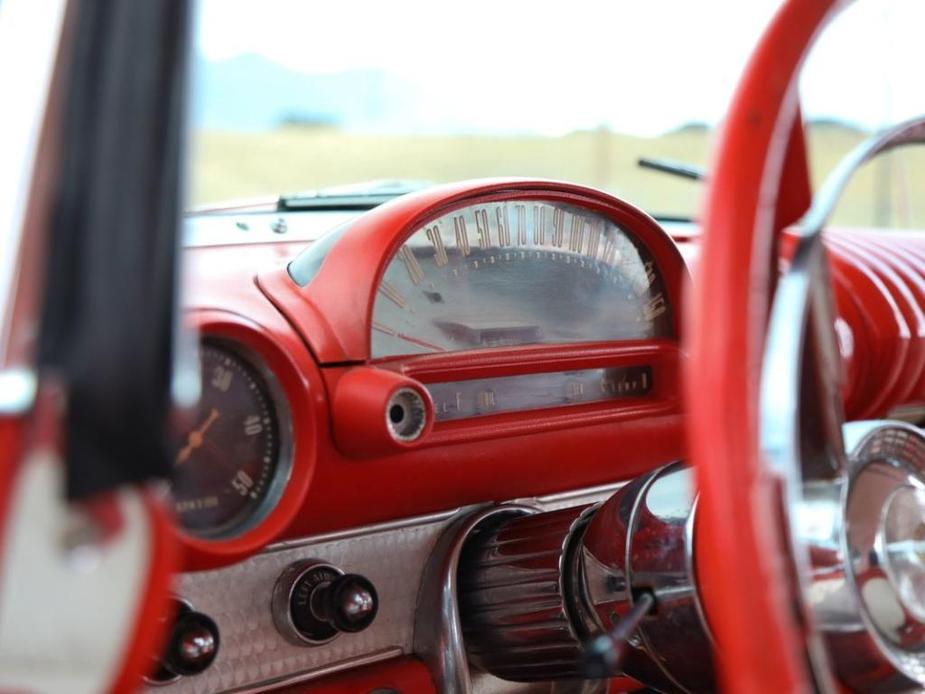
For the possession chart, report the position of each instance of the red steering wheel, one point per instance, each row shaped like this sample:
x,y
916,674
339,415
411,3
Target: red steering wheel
x,y
759,185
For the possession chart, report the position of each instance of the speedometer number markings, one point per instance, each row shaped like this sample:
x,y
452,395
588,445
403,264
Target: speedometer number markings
x,y
576,234
411,264
482,229
440,257
654,307
392,294
533,272
594,239
462,236
610,252
521,211
539,225
504,231
558,227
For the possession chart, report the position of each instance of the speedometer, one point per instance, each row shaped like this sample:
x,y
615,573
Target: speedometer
x,y
518,273
232,463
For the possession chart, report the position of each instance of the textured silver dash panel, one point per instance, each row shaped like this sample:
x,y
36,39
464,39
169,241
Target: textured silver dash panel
x,y
254,655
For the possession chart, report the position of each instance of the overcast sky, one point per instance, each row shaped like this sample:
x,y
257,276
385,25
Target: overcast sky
x,y
642,67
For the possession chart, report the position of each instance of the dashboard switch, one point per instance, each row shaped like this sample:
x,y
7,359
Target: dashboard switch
x,y
314,602
349,603
193,646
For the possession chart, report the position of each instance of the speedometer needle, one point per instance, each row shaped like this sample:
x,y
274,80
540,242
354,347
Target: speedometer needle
x,y
195,438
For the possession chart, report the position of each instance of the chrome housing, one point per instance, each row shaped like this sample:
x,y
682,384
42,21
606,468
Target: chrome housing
x,y
881,643
533,590
641,540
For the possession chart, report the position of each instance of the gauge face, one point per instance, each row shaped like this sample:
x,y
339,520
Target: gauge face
x,y
518,273
230,466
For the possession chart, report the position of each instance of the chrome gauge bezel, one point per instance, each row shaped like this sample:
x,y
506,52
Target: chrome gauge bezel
x,y
284,457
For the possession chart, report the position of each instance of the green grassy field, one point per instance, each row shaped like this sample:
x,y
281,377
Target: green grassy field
x,y
235,165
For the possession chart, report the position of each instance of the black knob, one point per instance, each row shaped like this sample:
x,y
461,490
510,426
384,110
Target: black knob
x,y
193,644
314,601
349,603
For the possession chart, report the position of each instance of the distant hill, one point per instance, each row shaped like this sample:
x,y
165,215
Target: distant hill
x,y
693,127
833,124
249,92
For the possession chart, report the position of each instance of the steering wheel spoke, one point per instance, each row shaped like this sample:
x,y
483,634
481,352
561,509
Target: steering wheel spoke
x,y
801,414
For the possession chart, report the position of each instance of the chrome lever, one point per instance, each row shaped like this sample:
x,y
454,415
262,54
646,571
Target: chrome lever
x,y
602,656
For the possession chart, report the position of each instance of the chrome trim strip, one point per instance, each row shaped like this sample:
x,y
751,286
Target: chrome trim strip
x,y
548,501
438,632
691,567
575,494
388,526
242,228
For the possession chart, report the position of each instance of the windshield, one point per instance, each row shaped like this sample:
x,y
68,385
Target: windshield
x,y
290,96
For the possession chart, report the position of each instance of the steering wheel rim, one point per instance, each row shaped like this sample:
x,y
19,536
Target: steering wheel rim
x,y
741,543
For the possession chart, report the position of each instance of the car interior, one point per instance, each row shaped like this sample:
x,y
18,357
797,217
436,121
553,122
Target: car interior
x,y
538,382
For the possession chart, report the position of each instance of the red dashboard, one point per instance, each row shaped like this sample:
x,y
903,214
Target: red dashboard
x,y
514,384
504,405
481,342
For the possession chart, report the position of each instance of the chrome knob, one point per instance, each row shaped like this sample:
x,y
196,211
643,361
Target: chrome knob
x,y
196,647
193,644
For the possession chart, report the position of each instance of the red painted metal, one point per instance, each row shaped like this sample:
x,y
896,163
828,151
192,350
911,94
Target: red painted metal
x,y
740,546
11,430
461,462
149,633
497,458
503,456
894,325
878,281
334,312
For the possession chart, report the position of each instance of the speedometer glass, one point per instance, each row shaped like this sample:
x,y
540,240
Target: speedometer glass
x,y
518,273
231,464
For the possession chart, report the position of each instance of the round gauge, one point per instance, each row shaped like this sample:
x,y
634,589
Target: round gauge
x,y
231,465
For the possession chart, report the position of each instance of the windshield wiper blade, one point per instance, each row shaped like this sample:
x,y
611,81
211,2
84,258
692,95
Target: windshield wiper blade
x,y
675,168
355,196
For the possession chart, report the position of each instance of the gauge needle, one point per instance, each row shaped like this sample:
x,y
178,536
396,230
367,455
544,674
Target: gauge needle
x,y
195,438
